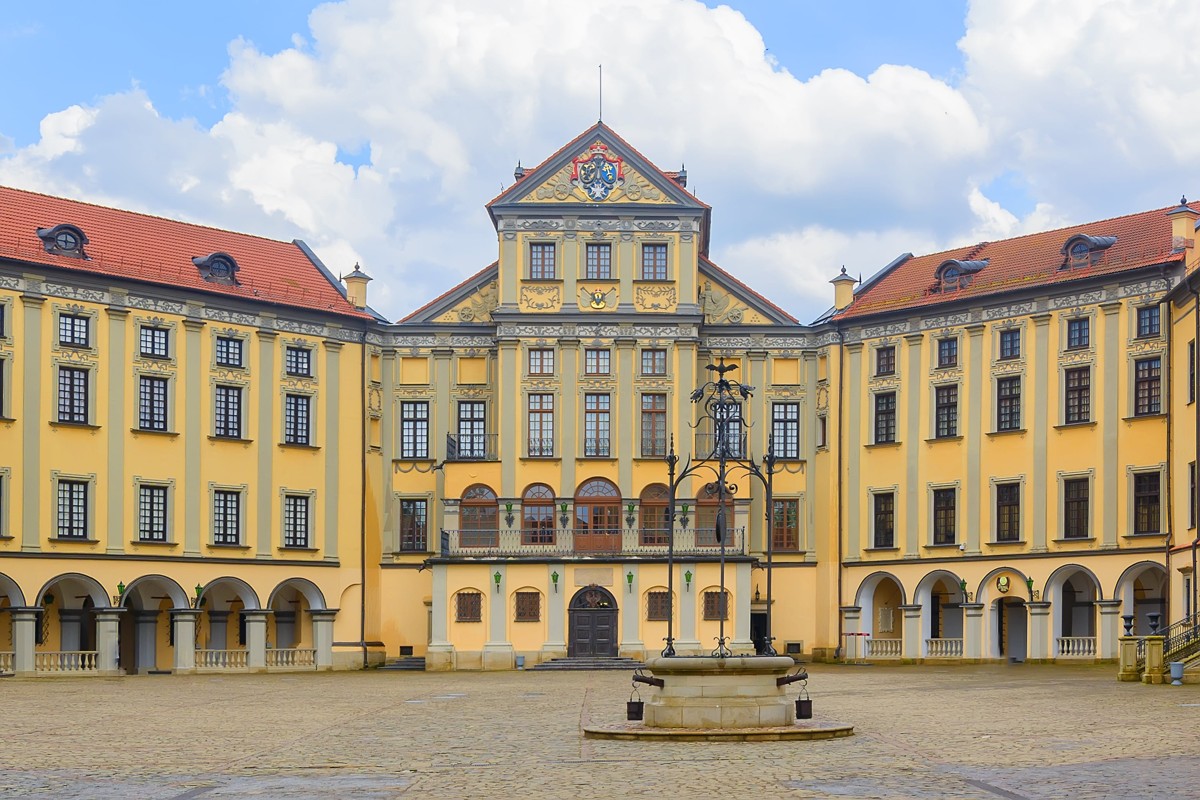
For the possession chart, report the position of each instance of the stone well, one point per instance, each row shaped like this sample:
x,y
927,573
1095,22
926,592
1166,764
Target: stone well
x,y
707,692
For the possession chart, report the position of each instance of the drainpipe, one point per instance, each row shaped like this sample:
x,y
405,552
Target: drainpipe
x,y
364,413
1196,498
1169,493
837,652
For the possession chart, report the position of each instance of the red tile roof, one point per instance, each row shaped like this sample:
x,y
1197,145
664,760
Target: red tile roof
x,y
1143,239
125,244
446,294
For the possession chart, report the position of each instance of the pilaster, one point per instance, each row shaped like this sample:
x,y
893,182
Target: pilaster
x,y
24,634
913,404
1039,632
972,632
856,532
1108,632
913,646
32,421
630,604
266,389
184,621
117,433
193,507
1112,362
976,358
440,654
322,628
1041,430
256,638
107,640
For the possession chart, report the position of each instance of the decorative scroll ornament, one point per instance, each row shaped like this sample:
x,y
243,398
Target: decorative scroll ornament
x,y
655,298
597,172
540,298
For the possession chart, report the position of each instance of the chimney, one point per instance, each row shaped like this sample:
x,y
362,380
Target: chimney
x,y
1183,226
843,290
356,287
681,177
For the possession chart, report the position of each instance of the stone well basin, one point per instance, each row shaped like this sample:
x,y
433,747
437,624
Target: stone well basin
x,y
707,692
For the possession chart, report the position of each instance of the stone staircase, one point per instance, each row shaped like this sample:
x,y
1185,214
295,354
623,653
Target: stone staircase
x,y
404,664
560,664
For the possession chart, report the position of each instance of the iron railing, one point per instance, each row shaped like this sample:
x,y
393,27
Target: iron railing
x,y
585,543
541,448
471,447
711,445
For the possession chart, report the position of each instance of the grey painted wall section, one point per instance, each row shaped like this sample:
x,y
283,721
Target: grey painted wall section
x,y
1112,360
568,427
193,509
267,390
687,605
117,430
333,443
809,543
631,608
915,495
31,422
498,604
855,530
440,607
624,443
556,618
508,406
976,358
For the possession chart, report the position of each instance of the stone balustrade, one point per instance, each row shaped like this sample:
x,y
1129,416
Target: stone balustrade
x,y
80,661
222,659
1076,646
293,658
884,648
943,648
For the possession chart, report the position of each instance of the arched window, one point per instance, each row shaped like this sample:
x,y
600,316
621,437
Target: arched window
x,y
479,518
537,515
654,526
598,517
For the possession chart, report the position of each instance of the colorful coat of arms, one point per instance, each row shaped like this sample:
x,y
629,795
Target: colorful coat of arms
x,y
597,172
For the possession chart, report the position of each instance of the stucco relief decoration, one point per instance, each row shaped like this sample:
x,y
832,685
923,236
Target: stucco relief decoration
x,y
540,298
597,299
655,298
822,398
637,190
375,401
481,306
597,172
718,306
557,187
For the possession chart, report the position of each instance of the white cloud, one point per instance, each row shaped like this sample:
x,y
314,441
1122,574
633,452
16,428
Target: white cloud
x,y
1087,103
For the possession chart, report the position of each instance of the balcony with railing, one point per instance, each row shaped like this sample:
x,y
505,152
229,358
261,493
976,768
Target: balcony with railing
x,y
588,543
222,659
540,448
471,447
654,446
596,448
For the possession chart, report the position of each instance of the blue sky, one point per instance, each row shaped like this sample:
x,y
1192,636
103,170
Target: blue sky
x,y
822,133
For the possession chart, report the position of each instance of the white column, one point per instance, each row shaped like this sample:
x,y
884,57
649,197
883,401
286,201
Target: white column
x,y
440,655
742,644
497,650
972,631
1109,630
183,621
1039,631
687,644
322,628
913,647
24,634
256,638
107,639
631,612
556,618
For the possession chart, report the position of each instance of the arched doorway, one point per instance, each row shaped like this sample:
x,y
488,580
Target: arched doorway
x,y
147,638
1142,590
593,624
879,597
1011,628
598,517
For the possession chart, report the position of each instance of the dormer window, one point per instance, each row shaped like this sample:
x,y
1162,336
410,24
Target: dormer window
x,y
1082,250
63,240
954,274
217,268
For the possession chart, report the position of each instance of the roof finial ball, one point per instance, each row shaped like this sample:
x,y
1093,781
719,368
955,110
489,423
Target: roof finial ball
x,y
1183,199
519,172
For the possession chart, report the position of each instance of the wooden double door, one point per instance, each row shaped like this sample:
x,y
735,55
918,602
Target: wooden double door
x,y
592,620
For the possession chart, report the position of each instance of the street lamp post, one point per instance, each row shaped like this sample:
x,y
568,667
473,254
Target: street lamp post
x,y
721,400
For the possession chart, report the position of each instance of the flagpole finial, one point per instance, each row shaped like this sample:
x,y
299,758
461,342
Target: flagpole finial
x,y
600,116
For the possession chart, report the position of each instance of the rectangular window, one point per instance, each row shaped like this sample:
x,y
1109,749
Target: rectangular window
x,y
541,261
154,342
1079,334
785,429
468,607
946,410
152,513
944,516
727,430
152,403
885,417
658,606
947,353
822,432
472,429
541,361
1191,357
413,516
528,607
73,395
228,412
716,605
1147,322
541,425
72,509
414,429
1078,395
1192,494
885,361
229,352
1146,503
654,361
296,425
885,520
596,425
1147,386
1010,343
74,330
599,262
596,362
227,517
654,262
295,520
785,525
1008,404
1008,512
654,425
297,361
1075,508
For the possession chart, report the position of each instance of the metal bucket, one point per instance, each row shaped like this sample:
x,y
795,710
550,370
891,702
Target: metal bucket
x,y
634,710
804,706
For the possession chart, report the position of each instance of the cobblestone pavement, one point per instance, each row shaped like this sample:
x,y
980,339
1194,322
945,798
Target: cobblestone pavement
x,y
1019,732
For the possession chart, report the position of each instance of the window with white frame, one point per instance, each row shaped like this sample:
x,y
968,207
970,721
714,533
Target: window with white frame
x,y
1147,502
541,361
297,427
596,362
785,429
654,361
654,262
884,517
1076,508
1008,512
152,403
72,509
74,330
599,261
1078,395
228,352
227,412
152,513
227,517
885,417
541,425
946,411
596,425
73,395
297,361
413,516
154,342
1147,380
945,516
295,520
414,429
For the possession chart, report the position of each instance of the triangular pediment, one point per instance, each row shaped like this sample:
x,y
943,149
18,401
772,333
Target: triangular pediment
x,y
472,301
598,169
724,300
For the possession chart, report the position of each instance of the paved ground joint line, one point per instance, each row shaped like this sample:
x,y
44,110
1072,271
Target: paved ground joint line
x,y
996,790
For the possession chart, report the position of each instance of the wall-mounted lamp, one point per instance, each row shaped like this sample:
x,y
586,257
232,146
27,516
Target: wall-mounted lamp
x,y
757,596
497,577
120,593
554,580
565,518
1033,595
629,580
683,515
196,600
962,586
630,517
508,515
687,580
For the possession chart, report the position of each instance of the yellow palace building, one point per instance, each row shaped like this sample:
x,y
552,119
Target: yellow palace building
x,y
215,456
